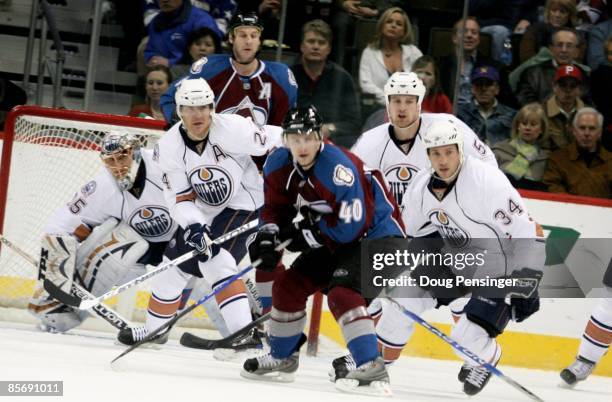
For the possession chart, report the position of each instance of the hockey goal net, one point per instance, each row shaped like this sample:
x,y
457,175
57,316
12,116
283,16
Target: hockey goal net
x,y
47,155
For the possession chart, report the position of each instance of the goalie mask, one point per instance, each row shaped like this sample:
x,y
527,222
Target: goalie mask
x,y
121,155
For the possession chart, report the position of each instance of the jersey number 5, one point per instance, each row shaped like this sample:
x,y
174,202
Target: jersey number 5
x,y
352,211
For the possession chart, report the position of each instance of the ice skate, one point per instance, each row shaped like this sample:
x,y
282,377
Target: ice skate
x,y
268,368
130,336
341,366
578,371
370,378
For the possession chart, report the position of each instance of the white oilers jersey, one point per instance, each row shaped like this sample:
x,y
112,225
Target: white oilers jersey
x,y
481,211
101,199
378,150
219,172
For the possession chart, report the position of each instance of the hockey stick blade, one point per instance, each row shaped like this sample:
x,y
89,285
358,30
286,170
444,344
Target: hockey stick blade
x,y
87,304
468,353
168,325
60,295
193,341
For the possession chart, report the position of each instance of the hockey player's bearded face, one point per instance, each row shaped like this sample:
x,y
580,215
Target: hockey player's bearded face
x,y
445,160
403,110
196,120
304,148
245,44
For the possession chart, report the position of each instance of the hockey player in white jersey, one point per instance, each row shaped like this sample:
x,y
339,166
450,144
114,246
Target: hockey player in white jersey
x,y
474,208
125,205
596,338
396,148
216,187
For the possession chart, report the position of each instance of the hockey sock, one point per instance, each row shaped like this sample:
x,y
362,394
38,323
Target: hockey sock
x,y
285,332
234,305
597,335
166,292
348,308
473,337
160,310
264,281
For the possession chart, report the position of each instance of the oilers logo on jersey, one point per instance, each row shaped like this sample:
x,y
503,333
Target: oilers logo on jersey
x,y
151,221
212,184
398,177
452,233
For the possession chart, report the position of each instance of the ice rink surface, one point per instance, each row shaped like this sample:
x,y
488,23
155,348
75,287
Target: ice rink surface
x,y
174,373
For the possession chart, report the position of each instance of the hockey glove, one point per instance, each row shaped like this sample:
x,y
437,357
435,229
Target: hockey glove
x,y
196,236
304,235
524,298
262,244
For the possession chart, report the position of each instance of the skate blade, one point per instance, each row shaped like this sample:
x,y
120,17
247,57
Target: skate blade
x,y
231,355
332,375
149,345
375,388
565,385
276,376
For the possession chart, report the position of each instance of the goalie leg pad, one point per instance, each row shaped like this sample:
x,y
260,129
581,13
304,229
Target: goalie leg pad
x,y
57,260
110,256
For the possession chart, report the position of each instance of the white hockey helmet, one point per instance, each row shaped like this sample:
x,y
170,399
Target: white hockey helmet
x,y
120,153
442,133
193,92
402,83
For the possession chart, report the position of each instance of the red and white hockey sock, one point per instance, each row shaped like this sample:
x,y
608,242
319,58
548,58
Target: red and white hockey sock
x,y
597,335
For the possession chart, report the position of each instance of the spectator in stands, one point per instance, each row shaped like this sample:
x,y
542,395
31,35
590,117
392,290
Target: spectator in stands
x,y
561,107
472,58
435,100
326,85
350,11
597,38
520,157
497,19
390,51
583,167
200,43
601,91
589,13
11,95
169,30
529,15
490,119
557,14
221,10
532,81
157,81
298,13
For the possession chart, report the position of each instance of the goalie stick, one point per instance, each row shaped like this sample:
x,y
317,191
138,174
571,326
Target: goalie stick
x,y
106,313
169,324
193,341
81,304
474,357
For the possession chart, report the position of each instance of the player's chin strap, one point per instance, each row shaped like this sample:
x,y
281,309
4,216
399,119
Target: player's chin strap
x,y
77,302
474,357
104,312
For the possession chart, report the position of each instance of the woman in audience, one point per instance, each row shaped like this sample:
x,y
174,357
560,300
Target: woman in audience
x,y
520,157
557,14
157,81
200,43
435,100
390,51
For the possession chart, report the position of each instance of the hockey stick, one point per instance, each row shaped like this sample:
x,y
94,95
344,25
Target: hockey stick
x,y
193,341
106,313
468,353
169,324
80,304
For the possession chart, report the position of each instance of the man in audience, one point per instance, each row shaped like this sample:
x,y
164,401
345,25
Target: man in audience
x,y
561,107
489,118
583,167
472,58
169,30
532,80
326,85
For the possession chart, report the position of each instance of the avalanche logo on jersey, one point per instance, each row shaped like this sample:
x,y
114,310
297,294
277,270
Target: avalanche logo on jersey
x,y
151,221
246,108
453,235
398,177
212,184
